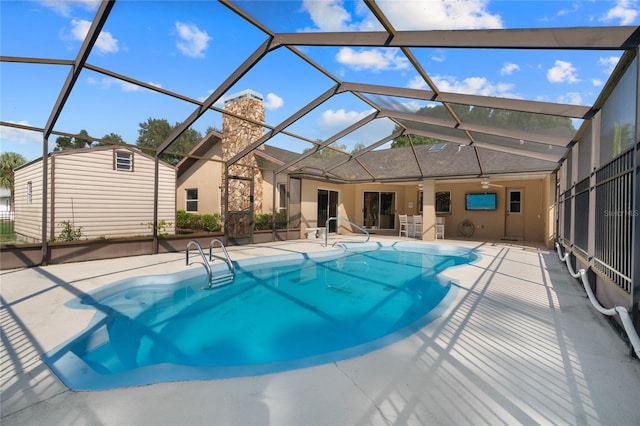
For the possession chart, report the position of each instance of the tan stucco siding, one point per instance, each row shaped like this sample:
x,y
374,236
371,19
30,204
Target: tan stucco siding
x,y
309,202
491,225
537,206
28,216
206,176
549,203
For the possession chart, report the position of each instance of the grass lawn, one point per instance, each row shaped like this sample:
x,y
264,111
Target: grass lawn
x,y
6,230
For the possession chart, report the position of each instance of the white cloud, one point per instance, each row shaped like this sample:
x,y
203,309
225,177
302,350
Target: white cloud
x,y
20,136
107,82
105,42
327,15
509,68
573,98
418,82
192,41
440,14
333,121
372,59
273,101
64,7
562,72
597,82
331,15
625,11
411,106
608,63
567,11
440,57
470,86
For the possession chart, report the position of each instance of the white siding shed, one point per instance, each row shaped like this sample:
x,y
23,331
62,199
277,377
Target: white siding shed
x,y
105,191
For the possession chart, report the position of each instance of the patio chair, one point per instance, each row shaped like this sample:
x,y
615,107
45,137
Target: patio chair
x,y
404,225
417,226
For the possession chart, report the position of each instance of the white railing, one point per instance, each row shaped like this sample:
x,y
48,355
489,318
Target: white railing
x,y
617,310
204,262
337,219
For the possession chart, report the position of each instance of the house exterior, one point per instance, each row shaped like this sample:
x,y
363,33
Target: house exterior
x,y
524,202
106,191
5,203
521,189
199,177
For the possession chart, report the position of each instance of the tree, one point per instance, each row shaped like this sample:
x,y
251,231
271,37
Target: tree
x,y
81,140
326,152
403,140
111,137
8,163
499,118
154,132
213,129
358,147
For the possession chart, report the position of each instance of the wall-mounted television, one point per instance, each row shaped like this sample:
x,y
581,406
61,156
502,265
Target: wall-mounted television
x,y
484,201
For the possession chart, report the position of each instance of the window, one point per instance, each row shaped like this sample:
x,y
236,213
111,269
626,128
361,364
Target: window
x,y
29,193
515,202
124,161
282,197
420,200
192,200
443,202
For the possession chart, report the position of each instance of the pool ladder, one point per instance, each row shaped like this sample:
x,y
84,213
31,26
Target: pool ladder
x,y
223,280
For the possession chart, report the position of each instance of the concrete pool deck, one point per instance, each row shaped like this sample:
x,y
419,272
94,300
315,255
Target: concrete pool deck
x,y
520,344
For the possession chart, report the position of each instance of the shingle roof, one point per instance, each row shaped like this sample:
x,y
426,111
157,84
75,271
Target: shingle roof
x,y
398,164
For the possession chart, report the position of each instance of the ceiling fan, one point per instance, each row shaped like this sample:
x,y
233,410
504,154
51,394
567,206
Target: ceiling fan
x,y
486,184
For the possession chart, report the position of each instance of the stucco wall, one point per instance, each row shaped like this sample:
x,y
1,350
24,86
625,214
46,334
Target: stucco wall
x,y
491,225
206,176
537,217
309,202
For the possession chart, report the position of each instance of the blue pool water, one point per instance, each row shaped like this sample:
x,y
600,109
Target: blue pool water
x,y
279,313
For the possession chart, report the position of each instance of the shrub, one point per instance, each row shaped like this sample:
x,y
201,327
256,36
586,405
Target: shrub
x,y
281,220
68,233
262,221
163,227
197,222
211,222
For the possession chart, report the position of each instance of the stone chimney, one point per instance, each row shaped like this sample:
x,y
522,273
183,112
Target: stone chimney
x,y
236,135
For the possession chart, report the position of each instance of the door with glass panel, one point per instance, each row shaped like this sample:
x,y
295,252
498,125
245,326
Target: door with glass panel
x,y
379,210
514,222
327,207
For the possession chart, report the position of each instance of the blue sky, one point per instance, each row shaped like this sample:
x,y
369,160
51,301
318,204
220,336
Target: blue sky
x,y
191,47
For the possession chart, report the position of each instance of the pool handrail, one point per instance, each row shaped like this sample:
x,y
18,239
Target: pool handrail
x,y
337,219
204,259
226,254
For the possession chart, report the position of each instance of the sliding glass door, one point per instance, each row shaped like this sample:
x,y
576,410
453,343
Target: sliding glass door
x,y
327,207
379,210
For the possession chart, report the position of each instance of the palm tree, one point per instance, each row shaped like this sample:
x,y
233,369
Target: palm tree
x,y
8,162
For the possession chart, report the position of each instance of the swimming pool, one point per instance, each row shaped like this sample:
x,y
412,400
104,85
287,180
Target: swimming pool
x,y
280,313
